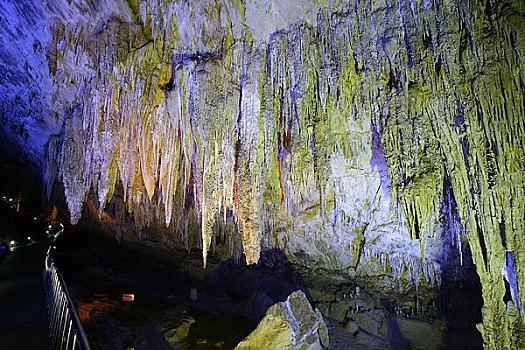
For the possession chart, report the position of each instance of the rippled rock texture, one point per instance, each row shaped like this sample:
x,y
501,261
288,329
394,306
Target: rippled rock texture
x,y
373,138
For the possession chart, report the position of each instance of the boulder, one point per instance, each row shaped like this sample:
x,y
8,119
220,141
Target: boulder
x,y
291,324
422,335
177,330
399,331
373,321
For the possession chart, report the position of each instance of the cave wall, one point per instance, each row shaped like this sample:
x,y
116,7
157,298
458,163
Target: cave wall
x,y
370,139
24,84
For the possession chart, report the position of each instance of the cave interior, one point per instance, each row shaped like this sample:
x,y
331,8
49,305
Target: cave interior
x,y
219,174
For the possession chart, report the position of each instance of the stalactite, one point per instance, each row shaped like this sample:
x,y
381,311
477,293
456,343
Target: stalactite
x,y
195,117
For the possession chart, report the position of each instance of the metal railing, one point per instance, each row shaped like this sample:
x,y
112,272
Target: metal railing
x,y
66,331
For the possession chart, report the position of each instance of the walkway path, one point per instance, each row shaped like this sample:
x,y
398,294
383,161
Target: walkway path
x,y
23,314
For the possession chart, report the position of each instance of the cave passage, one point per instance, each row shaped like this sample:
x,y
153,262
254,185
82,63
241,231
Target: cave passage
x,y
279,173
175,302
178,304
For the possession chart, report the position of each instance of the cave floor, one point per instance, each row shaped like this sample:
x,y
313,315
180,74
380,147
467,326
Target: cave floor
x,y
176,305
170,309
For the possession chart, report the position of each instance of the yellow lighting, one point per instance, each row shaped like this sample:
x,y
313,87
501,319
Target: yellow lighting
x,y
128,297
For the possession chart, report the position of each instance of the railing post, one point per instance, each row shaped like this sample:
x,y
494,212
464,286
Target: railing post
x,y
64,322
69,333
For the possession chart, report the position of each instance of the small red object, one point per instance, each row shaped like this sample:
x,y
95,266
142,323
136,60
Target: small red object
x,y
128,297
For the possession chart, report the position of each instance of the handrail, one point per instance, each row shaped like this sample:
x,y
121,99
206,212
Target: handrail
x,y
66,331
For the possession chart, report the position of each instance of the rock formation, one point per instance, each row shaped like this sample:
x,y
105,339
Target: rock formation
x,y
369,138
291,324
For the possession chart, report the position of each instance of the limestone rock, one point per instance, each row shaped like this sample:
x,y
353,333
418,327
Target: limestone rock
x,y
351,326
255,305
291,324
422,335
372,321
363,137
193,294
381,326
175,332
